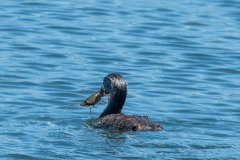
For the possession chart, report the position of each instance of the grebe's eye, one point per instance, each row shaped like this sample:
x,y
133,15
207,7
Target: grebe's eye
x,y
107,84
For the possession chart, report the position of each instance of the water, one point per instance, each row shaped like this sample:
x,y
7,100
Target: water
x,y
181,61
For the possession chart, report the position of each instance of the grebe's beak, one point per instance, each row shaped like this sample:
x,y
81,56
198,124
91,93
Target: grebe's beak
x,y
102,91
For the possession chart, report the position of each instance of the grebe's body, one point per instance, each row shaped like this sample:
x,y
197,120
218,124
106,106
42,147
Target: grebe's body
x,y
115,86
124,122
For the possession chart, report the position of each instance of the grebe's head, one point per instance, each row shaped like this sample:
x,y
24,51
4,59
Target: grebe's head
x,y
115,86
114,83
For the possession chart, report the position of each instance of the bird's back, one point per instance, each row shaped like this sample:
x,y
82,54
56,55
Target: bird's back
x,y
127,123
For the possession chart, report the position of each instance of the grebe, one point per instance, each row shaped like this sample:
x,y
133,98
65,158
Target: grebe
x,y
115,86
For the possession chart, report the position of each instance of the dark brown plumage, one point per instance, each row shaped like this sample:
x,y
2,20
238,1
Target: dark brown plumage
x,y
115,86
127,123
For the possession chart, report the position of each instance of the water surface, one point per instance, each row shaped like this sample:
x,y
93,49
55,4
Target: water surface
x,y
181,61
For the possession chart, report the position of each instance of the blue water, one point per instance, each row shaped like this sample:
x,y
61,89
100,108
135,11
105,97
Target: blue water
x,y
181,60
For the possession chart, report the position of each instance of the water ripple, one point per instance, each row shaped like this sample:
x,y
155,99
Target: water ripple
x,y
181,62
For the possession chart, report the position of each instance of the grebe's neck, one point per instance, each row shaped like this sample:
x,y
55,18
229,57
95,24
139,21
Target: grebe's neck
x,y
116,88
